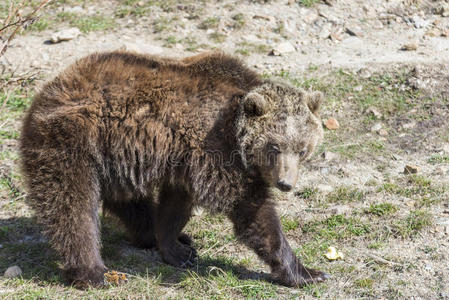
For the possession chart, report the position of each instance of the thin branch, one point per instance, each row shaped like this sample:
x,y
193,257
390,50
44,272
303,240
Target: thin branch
x,y
20,23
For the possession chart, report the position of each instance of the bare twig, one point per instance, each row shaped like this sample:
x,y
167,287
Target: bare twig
x,y
14,22
381,260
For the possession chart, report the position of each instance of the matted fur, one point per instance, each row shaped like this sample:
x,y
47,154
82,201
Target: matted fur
x,y
115,127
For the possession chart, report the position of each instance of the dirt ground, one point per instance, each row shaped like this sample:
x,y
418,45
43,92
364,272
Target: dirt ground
x,y
383,66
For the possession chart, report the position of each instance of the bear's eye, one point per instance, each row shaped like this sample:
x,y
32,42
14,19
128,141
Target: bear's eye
x,y
302,153
274,148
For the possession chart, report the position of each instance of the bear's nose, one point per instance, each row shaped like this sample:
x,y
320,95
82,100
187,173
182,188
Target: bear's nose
x,y
283,186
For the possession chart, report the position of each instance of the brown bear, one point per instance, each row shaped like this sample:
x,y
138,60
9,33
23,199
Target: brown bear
x,y
149,138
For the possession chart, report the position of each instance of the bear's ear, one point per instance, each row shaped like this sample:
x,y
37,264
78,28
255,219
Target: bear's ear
x,y
254,105
314,100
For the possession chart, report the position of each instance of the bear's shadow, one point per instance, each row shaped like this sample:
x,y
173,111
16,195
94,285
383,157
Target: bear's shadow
x,y
22,244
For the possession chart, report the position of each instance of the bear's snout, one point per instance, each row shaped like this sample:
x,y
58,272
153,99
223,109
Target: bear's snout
x,y
284,186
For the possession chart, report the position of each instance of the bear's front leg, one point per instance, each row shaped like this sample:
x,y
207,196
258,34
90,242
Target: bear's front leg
x,y
257,225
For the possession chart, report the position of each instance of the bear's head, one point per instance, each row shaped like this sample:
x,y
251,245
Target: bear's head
x,y
278,128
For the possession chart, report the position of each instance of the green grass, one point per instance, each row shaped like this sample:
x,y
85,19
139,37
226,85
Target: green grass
x,y
382,209
308,3
337,227
239,21
289,223
416,187
307,193
217,37
209,23
439,159
345,194
93,23
412,224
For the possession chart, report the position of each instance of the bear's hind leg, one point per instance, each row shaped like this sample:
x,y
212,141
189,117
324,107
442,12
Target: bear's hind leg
x,y
175,206
137,216
65,194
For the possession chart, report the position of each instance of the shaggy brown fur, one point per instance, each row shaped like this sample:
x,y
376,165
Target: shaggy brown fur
x,y
116,127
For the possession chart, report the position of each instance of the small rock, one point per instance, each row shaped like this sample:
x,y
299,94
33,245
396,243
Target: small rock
x,y
74,10
374,112
409,125
309,16
433,32
364,73
411,169
354,31
65,35
419,22
329,2
265,18
443,221
282,48
13,272
445,33
378,24
442,9
376,127
328,155
324,171
324,188
410,47
197,211
340,209
358,88
445,148
383,132
335,36
332,124
324,34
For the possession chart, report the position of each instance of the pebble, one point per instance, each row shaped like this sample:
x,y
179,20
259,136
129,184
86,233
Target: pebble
x,y
74,10
282,48
445,33
419,22
409,125
354,31
411,169
445,148
65,35
324,188
433,32
443,221
332,124
374,112
197,211
309,16
265,18
364,73
13,272
410,47
340,209
335,36
324,34
358,88
376,127
328,155
383,132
